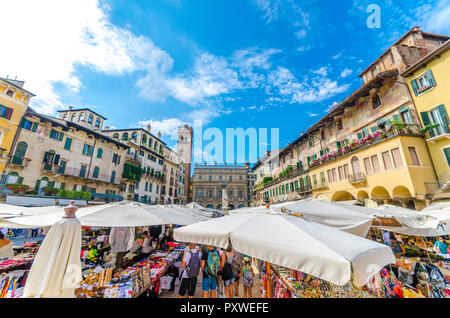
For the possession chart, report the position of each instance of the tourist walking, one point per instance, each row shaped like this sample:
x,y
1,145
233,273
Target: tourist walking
x,y
227,272
237,268
190,267
247,275
210,267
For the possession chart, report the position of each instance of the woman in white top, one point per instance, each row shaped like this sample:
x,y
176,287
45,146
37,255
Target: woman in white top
x,y
146,248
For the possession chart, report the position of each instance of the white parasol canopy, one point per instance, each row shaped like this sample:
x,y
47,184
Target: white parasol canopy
x,y
342,217
122,214
294,243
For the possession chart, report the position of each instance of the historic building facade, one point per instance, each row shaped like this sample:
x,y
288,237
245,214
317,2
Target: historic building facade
x,y
143,175
209,180
372,136
174,179
429,83
54,153
14,100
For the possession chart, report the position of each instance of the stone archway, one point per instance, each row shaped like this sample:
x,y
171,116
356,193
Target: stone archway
x,y
362,195
380,193
342,196
402,193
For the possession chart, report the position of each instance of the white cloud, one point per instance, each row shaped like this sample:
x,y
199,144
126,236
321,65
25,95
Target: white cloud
x,y
50,38
337,56
321,71
312,114
314,89
211,76
305,48
168,127
435,18
346,72
300,34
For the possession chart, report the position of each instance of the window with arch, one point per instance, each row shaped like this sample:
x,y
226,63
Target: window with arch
x,y
20,152
82,116
134,136
116,135
74,117
125,136
99,152
90,118
95,173
376,101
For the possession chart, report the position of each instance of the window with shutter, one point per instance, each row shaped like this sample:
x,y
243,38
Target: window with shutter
x,y
359,135
415,87
396,155
387,160
35,127
19,180
68,143
61,136
413,155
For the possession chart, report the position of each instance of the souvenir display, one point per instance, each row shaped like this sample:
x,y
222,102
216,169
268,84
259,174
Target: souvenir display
x,y
12,283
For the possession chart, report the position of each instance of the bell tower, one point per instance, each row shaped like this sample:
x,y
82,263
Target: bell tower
x,y
184,150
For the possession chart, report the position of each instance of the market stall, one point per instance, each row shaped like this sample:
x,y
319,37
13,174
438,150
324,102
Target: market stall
x,y
97,223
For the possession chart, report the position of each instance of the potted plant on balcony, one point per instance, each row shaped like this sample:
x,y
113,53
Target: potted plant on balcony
x,y
427,128
399,125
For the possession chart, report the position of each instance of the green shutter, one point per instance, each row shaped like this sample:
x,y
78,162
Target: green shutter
x,y
61,136
63,186
396,117
415,87
430,78
366,131
426,122
38,182
35,127
68,143
51,184
338,144
444,117
83,188
374,129
321,153
359,135
19,180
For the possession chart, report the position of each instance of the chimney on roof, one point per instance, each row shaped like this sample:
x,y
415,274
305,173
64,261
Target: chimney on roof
x,y
159,135
149,127
70,107
106,128
302,133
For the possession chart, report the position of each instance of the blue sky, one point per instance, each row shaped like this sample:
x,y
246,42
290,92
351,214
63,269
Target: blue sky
x,y
231,63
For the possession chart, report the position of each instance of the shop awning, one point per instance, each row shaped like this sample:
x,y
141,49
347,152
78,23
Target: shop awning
x,y
295,243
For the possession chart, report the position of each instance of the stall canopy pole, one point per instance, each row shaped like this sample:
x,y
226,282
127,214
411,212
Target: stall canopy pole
x,y
268,292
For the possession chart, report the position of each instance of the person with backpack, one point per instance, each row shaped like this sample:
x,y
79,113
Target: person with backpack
x,y
210,267
247,275
236,265
190,267
227,272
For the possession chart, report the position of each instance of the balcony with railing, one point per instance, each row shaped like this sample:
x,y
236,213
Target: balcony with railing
x,y
368,141
64,171
133,158
357,178
435,132
440,187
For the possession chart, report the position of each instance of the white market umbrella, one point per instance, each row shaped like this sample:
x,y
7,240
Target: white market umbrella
x,y
424,223
342,217
56,269
294,243
122,214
